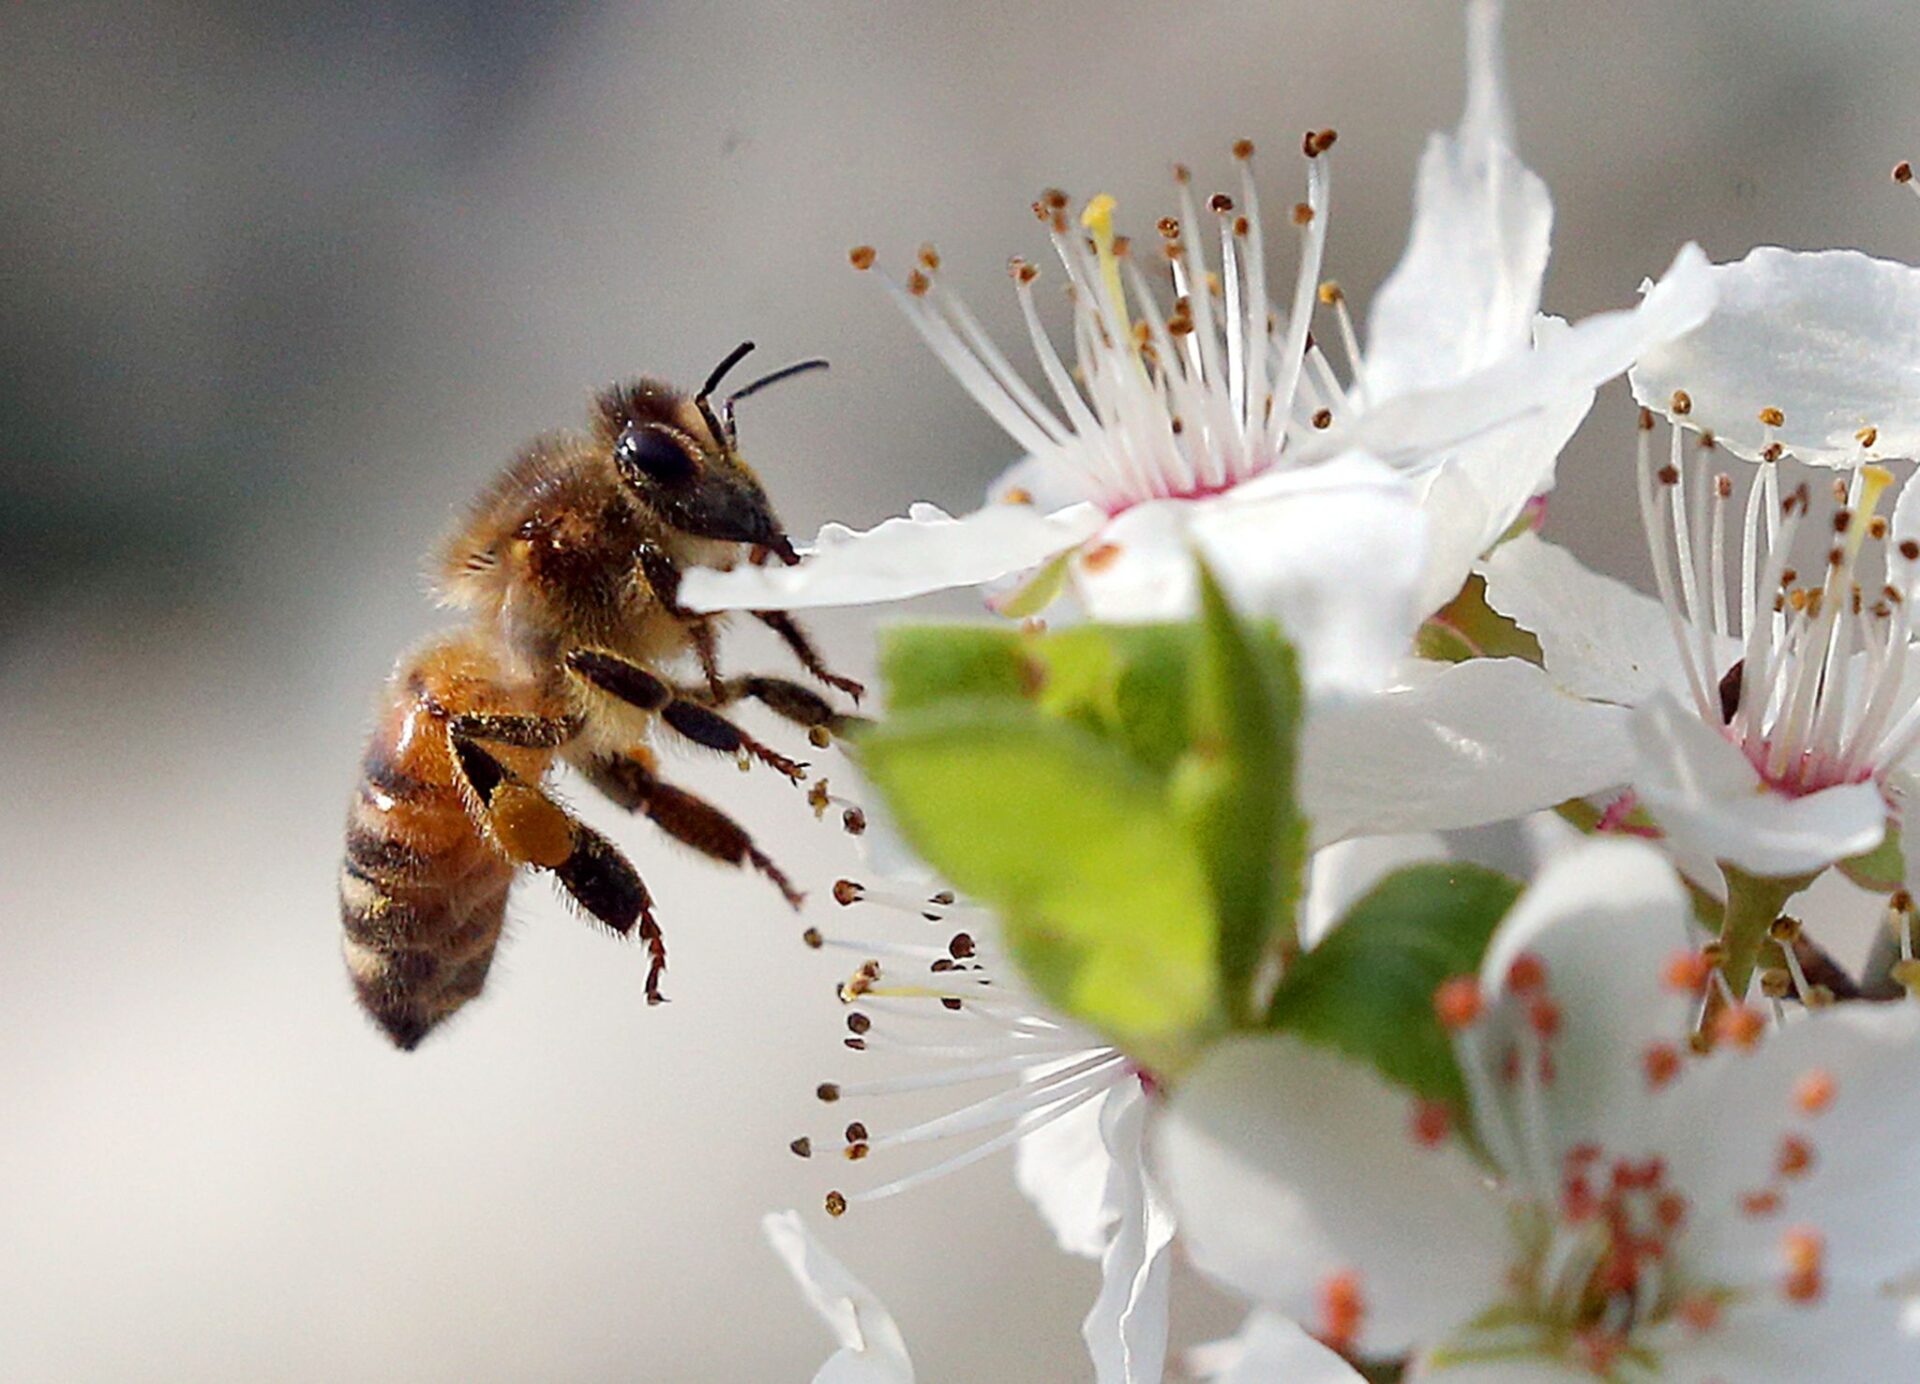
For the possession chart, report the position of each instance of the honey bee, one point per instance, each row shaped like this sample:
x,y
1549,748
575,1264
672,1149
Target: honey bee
x,y
568,568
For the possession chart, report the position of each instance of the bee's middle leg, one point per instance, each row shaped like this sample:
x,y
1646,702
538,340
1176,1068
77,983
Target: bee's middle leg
x,y
628,682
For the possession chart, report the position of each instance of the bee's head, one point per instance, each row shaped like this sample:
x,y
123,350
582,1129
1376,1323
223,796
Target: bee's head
x,y
681,458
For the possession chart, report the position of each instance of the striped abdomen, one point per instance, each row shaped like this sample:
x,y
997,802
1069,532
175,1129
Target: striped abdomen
x,y
422,893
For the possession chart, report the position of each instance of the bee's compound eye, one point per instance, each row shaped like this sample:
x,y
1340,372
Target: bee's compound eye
x,y
648,454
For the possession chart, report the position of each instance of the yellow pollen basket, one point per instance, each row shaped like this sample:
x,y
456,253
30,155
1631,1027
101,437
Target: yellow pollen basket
x,y
1097,218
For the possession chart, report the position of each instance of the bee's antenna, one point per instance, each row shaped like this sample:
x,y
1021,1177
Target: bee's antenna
x,y
733,358
786,372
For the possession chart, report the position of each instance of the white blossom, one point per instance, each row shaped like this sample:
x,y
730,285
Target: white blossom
x,y
1619,1208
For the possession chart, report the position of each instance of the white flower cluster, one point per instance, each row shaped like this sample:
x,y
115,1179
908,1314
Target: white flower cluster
x,y
1678,1162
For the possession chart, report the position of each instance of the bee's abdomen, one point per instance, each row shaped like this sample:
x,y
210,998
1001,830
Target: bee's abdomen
x,y
422,894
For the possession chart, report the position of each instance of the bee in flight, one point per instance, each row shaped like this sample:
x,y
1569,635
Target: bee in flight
x,y
568,568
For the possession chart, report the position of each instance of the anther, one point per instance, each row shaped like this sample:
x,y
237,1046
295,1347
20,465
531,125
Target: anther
x,y
1776,983
846,891
1681,403
1646,420
1661,1063
1700,1312
1457,1002
929,258
1796,1156
1101,557
1527,973
858,1022
836,1204
1762,1203
1302,214
918,284
1773,451
856,1133
1866,437
1243,149
1054,199
1877,529
1723,485
1784,929
1220,202
1323,419
1317,142
1772,417
1687,972
1341,1310
854,821
1714,953
861,257
1910,549
1431,1121
819,737
1182,174
1818,996
828,1091
1331,293
813,938
961,947
1241,226
1740,1024
802,1147
1669,474
1814,1091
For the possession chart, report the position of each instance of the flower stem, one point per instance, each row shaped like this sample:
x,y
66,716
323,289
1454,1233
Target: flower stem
x,y
1753,902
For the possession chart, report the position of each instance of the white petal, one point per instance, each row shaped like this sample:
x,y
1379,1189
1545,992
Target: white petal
x,y
1829,337
1425,423
1478,493
1064,1170
1270,1349
1342,873
1602,639
1048,485
1456,745
1333,552
1126,1332
871,1348
927,550
1605,917
1703,792
1465,292
1724,1120
1289,1164
1852,1336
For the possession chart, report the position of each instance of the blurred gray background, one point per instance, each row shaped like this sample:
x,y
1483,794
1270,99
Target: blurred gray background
x,y
281,286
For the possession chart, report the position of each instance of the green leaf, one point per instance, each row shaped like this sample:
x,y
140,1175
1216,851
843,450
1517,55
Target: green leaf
x,y
1127,683
1882,869
925,664
1235,788
1102,889
1367,988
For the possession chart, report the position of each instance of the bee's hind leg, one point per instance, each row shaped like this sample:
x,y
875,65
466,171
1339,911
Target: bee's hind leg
x,y
531,829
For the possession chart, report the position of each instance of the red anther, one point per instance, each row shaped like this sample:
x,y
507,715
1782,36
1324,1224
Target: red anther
x,y
1457,1003
1804,1288
1814,1091
1527,973
1740,1024
1687,972
1620,1273
1804,1248
1577,1201
1700,1312
1583,1153
1600,1350
1796,1156
1661,1063
1671,1211
1544,1015
1341,1310
1763,1203
1431,1122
